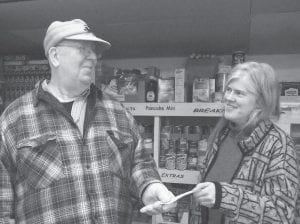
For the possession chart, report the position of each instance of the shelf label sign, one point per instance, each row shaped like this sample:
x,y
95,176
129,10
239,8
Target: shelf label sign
x,y
150,108
208,110
175,109
159,107
172,175
131,108
179,176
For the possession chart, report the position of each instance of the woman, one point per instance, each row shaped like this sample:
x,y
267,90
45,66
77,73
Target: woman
x,y
250,172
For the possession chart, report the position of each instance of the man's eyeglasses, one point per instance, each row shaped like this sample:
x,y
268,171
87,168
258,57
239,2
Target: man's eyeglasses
x,y
85,50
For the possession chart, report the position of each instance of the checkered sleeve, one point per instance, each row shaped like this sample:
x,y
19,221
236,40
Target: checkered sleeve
x,y
6,189
144,171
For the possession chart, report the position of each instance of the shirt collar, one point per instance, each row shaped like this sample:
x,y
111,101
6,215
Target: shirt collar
x,y
61,98
41,95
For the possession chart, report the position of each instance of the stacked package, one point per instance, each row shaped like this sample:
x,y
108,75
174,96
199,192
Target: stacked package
x,y
21,75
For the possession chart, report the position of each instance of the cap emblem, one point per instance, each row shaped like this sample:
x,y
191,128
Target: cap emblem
x,y
86,28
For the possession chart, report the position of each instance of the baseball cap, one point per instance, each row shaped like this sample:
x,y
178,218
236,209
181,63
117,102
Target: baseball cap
x,y
75,29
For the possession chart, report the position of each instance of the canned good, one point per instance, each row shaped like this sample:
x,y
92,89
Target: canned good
x,y
181,161
202,147
202,144
162,161
177,130
164,142
170,161
183,145
186,130
197,129
192,162
172,146
192,156
238,57
193,147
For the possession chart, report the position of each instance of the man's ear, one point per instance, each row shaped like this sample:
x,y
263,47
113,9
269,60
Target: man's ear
x,y
53,56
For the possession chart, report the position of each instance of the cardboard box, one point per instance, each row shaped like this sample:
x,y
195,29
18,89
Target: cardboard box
x,y
201,90
139,96
290,88
199,68
180,90
166,92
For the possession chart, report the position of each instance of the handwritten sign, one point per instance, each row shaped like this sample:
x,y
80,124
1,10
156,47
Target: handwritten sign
x,y
179,176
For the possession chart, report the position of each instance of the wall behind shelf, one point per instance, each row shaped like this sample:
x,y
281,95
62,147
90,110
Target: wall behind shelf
x,y
286,65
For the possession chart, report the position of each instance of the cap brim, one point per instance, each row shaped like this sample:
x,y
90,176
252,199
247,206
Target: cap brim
x,y
90,37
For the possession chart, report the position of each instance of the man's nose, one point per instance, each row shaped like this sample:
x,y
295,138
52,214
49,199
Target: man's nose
x,y
91,54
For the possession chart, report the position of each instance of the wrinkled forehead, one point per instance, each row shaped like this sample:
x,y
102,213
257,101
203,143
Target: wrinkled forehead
x,y
242,79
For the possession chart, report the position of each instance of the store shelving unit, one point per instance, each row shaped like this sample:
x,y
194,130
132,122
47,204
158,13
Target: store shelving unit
x,y
180,110
159,110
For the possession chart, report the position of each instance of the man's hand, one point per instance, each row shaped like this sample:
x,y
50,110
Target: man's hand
x,y
205,194
153,196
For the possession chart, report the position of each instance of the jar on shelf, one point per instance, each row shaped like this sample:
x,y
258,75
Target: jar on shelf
x,y
238,57
151,89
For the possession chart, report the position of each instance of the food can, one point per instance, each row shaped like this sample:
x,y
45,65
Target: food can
x,y
164,142
186,130
238,57
183,145
181,161
192,162
177,130
202,147
172,146
170,161
193,147
162,161
197,129
192,156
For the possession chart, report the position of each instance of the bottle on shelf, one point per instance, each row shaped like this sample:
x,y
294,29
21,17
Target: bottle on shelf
x,y
181,155
192,155
151,89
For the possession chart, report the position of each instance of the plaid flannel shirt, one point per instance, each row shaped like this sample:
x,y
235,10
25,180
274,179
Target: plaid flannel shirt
x,y
51,173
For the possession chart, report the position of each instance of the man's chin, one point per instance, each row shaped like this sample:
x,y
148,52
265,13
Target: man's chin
x,y
87,79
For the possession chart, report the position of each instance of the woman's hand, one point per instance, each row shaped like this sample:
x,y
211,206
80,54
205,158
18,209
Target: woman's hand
x,y
205,194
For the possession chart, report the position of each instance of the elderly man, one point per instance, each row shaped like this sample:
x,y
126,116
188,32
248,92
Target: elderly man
x,y
69,153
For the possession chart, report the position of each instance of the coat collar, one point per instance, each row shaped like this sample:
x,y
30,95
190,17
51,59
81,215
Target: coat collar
x,y
258,134
248,143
